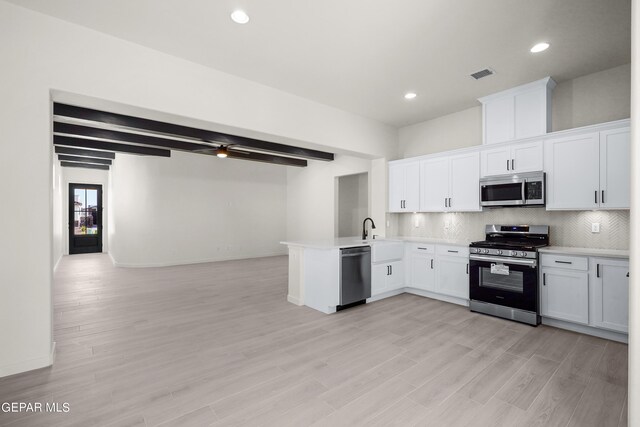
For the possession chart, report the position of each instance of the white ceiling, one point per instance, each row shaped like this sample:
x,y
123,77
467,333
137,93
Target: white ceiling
x,y
363,55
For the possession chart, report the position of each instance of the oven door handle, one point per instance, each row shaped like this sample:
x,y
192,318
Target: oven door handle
x,y
499,260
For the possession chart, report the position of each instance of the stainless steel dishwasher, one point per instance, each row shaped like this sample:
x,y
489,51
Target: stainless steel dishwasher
x,y
355,276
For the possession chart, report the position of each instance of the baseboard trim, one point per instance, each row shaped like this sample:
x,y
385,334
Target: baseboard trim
x,y
294,300
29,365
433,295
587,330
191,262
385,295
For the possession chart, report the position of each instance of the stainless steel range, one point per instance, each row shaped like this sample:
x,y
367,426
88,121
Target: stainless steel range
x,y
503,272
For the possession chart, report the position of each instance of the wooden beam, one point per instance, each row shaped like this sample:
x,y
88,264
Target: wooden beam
x,y
259,157
133,138
86,153
83,159
83,165
65,110
110,146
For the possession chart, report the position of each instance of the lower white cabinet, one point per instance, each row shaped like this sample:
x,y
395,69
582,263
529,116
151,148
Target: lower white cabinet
x,y
386,277
452,277
610,294
422,271
564,294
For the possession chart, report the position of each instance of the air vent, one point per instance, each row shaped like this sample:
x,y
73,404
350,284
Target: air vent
x,y
482,73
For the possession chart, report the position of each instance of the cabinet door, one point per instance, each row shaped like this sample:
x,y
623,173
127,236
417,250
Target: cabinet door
x,y
564,294
615,176
396,187
572,164
464,175
530,113
496,161
610,297
499,120
412,187
395,279
379,273
422,272
434,184
527,157
453,276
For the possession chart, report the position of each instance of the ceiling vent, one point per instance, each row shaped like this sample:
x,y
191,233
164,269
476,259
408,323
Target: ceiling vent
x,y
482,73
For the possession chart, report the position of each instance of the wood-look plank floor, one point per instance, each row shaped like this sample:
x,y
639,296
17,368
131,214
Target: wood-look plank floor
x,y
217,344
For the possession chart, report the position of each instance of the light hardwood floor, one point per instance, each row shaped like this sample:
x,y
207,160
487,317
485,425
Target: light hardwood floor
x,y
217,344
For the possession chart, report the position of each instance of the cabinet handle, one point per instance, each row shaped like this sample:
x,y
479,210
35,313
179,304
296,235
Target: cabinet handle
x,y
597,270
544,279
422,249
391,270
627,274
513,164
602,197
445,202
432,266
596,197
467,268
564,262
449,201
507,164
453,252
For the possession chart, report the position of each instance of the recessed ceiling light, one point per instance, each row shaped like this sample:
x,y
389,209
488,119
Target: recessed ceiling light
x,y
540,47
410,95
240,16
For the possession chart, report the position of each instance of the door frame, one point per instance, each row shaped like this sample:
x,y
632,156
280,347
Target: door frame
x,y
70,212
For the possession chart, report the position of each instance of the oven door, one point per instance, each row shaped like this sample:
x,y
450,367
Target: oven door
x,y
502,192
513,283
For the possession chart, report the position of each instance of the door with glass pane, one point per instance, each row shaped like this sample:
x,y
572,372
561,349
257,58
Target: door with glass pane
x,y
85,218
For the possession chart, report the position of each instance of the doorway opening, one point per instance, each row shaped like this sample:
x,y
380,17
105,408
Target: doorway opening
x,y
85,218
352,204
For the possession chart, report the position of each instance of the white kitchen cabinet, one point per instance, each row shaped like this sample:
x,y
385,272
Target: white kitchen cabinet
x,y
404,190
589,171
450,184
572,165
610,294
386,277
615,168
452,276
564,294
422,271
517,113
512,159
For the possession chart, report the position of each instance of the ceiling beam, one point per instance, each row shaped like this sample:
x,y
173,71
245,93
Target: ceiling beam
x,y
66,110
109,146
86,153
83,159
260,157
133,138
83,165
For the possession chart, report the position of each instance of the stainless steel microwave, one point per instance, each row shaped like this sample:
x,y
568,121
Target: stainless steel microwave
x,y
524,189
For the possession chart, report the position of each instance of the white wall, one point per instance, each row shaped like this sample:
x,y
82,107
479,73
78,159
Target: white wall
x,y
594,98
194,208
353,204
44,53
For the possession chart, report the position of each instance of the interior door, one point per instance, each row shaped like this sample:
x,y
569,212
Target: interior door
x,y
85,218
434,188
615,168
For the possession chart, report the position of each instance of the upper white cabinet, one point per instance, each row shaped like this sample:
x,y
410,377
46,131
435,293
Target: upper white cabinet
x,y
450,183
512,159
404,187
610,294
615,171
521,112
588,171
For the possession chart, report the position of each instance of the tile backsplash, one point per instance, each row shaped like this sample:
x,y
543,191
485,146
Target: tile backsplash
x,y
567,228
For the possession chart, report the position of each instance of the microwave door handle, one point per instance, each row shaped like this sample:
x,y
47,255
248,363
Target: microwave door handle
x,y
524,197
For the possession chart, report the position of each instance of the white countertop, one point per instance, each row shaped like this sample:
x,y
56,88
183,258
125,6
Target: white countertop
x,y
345,242
565,250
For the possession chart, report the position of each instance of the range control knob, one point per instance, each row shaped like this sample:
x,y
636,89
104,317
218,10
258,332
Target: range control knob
x,y
486,251
513,253
499,252
523,254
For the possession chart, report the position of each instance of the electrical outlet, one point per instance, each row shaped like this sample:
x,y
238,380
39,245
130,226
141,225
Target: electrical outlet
x,y
595,227
446,225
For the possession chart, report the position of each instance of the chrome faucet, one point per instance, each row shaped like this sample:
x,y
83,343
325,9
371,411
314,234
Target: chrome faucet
x,y
364,227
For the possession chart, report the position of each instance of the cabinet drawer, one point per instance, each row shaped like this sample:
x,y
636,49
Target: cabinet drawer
x,y
461,251
421,248
383,252
565,261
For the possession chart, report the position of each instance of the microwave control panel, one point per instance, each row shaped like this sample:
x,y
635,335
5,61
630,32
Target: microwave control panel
x,y
533,190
